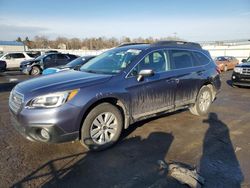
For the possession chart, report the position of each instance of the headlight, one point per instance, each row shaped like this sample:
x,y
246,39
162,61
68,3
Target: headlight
x,y
238,69
53,99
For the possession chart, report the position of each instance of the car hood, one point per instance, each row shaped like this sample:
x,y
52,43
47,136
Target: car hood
x,y
62,81
28,62
244,65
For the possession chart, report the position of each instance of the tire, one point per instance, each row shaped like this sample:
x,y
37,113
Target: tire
x,y
35,71
203,102
225,69
96,135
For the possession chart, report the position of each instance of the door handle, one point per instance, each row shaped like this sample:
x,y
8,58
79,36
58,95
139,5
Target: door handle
x,y
176,80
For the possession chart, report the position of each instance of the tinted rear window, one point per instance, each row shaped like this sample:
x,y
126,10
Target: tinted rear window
x,y
181,59
200,59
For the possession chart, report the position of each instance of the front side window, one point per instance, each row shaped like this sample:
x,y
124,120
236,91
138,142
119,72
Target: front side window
x,y
61,57
157,61
111,62
181,59
50,58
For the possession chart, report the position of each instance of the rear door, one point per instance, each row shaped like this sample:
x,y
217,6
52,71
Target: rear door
x,y
155,93
62,59
188,76
49,61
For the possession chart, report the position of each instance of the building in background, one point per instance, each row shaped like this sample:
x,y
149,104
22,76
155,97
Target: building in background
x,y
10,46
237,48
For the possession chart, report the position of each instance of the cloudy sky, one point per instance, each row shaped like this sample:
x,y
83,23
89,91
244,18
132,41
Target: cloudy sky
x,y
193,20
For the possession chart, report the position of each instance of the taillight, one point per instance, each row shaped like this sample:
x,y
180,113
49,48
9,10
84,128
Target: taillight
x,y
218,70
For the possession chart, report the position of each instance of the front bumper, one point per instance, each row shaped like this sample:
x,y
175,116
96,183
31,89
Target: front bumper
x,y
25,69
58,125
240,79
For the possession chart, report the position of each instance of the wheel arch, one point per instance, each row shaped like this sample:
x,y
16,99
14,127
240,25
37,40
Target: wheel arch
x,y
35,65
210,85
111,100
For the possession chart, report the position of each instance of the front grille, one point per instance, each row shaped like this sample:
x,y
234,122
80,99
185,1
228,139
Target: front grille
x,y
246,71
15,101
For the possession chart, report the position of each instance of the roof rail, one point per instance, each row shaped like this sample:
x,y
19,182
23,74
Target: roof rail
x,y
182,43
131,43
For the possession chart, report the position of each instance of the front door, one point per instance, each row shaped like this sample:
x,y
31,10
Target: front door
x,y
61,60
152,94
49,61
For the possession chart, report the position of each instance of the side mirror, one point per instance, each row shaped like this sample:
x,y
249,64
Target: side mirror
x,y
243,60
145,73
7,57
77,68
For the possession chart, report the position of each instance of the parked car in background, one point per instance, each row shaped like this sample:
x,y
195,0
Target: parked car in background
x,y
37,65
246,60
226,62
113,90
75,64
34,54
13,59
2,66
241,74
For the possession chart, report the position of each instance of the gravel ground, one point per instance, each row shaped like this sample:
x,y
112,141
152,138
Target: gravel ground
x,y
217,145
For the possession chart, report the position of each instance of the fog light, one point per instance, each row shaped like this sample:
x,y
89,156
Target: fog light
x,y
45,134
233,77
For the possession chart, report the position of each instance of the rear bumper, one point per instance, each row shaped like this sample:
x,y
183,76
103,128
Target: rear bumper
x,y
2,69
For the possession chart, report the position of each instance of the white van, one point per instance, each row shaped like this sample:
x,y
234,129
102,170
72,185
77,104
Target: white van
x,y
13,59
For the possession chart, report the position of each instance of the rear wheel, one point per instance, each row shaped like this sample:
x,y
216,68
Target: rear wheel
x,y
35,71
102,127
203,102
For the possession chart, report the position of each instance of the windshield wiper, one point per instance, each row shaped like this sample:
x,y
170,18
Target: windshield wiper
x,y
89,71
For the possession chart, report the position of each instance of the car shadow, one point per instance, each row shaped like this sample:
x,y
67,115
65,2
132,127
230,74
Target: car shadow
x,y
219,165
131,163
229,82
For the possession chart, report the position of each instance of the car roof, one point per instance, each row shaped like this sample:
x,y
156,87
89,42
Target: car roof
x,y
160,44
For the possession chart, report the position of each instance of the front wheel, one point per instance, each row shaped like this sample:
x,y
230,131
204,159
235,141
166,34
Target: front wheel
x,y
203,102
102,127
35,71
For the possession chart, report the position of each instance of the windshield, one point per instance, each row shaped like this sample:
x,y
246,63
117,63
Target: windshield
x,y
220,58
78,61
111,62
75,62
41,57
